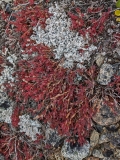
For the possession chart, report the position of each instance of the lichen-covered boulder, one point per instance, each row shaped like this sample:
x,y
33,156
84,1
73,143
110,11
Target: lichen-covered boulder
x,y
75,153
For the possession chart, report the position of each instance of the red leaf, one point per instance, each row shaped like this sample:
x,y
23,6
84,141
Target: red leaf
x,y
31,2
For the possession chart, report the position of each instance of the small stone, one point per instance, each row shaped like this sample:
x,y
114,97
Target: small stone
x,y
117,153
76,153
5,105
52,137
97,153
105,74
113,127
105,115
99,60
8,8
112,137
94,138
107,153
115,140
1,157
112,146
103,138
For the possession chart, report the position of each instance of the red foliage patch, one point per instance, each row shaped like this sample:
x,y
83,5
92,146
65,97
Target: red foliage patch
x,y
92,26
60,101
14,145
1,64
15,117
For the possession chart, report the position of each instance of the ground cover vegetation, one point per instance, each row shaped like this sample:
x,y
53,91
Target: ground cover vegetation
x,y
63,97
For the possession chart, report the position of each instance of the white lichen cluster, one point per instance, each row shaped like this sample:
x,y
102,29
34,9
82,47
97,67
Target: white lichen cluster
x,y
65,42
6,74
5,115
29,127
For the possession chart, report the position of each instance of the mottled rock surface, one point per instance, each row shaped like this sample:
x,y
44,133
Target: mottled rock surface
x,y
105,74
77,152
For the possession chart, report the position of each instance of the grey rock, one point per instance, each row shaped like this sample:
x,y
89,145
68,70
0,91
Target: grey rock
x,y
52,137
76,153
117,153
113,137
97,153
105,115
103,138
105,74
2,157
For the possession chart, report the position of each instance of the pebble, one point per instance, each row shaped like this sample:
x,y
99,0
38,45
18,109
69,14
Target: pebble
x,y
99,60
117,153
52,137
94,138
97,153
105,115
105,74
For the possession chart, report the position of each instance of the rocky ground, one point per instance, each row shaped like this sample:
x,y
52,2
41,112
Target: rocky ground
x,y
103,142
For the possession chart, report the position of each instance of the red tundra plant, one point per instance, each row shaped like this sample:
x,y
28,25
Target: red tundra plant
x,y
15,117
26,17
61,102
91,26
15,145
1,64
17,2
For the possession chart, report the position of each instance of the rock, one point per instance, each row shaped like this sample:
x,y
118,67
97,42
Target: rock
x,y
105,74
99,60
117,153
77,152
105,115
103,138
112,146
7,1
52,137
107,153
56,155
8,8
1,157
112,137
5,105
94,138
113,127
115,139
97,153
98,127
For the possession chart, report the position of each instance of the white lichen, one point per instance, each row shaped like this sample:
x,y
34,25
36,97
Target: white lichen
x,y
66,43
29,127
5,115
